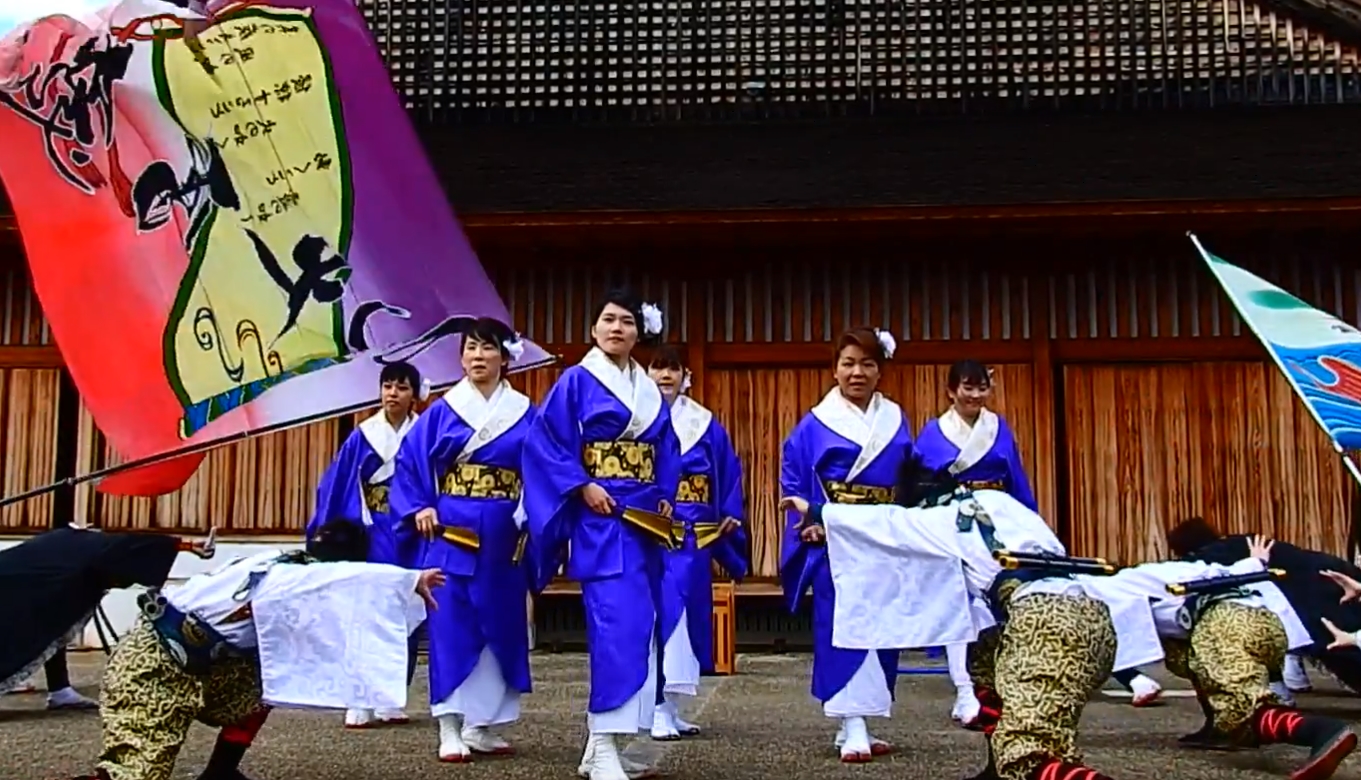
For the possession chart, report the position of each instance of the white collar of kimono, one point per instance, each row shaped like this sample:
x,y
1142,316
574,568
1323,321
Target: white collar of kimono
x,y
974,441
690,420
488,417
632,386
872,429
385,440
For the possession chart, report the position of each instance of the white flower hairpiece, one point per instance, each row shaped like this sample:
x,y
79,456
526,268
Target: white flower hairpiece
x,y
425,388
652,319
515,347
886,341
685,382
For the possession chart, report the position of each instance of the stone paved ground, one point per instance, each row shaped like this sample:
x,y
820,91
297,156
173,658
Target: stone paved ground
x,y
760,724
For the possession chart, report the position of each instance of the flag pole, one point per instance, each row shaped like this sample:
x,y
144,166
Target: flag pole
x,y
1347,462
240,436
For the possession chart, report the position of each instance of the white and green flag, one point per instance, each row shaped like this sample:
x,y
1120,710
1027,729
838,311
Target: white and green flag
x,y
1319,353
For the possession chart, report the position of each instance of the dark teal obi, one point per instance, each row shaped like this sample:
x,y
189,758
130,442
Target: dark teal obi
x,y
1006,583
194,644
1195,605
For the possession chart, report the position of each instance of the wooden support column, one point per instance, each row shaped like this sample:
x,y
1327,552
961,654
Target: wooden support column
x,y
1045,396
697,350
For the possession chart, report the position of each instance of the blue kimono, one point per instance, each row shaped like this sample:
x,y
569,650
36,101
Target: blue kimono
x,y
356,488
611,427
463,460
983,456
710,491
839,454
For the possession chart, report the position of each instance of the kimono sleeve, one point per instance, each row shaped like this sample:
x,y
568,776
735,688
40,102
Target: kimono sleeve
x,y
798,559
553,476
732,551
1018,484
668,458
425,453
338,494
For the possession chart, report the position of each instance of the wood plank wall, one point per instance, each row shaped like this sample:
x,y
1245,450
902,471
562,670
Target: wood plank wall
x,y
30,380
1135,392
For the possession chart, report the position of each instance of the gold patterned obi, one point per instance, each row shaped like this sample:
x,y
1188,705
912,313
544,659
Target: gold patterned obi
x,y
376,498
620,460
850,493
474,480
985,484
693,489
705,533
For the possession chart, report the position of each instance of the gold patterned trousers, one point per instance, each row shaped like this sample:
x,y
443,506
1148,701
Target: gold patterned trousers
x,y
1054,652
148,702
1229,658
982,658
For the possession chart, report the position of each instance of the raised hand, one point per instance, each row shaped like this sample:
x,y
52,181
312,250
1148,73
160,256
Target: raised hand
x,y
1340,638
1259,547
1351,589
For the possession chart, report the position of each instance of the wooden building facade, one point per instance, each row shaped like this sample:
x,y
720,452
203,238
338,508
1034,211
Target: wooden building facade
x,y
1009,182
1137,396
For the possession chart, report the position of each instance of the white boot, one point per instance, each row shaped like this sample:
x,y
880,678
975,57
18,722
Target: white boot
x,y
452,748
966,707
358,719
600,761
856,748
663,727
1296,679
392,717
481,739
1146,690
1283,693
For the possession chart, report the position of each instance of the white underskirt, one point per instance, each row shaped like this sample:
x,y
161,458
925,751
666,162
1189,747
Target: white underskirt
x,y
680,667
483,699
635,714
866,694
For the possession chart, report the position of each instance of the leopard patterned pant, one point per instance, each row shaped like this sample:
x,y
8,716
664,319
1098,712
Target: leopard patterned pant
x,y
148,702
1232,650
1054,652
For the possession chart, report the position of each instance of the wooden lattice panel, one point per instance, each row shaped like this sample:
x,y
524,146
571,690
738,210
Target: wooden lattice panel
x,y
689,59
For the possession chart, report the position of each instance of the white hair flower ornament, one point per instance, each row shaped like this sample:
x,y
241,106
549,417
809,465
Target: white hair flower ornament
x,y
515,347
424,392
887,342
652,319
685,382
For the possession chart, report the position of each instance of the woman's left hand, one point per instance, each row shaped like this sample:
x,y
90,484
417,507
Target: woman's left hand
x,y
729,525
664,508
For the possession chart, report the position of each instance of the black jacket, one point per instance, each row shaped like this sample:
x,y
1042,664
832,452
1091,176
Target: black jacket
x,y
53,581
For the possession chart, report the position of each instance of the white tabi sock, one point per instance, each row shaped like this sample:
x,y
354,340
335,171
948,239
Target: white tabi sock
x,y
857,742
1283,693
69,699
1146,690
452,748
967,706
685,727
1296,679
